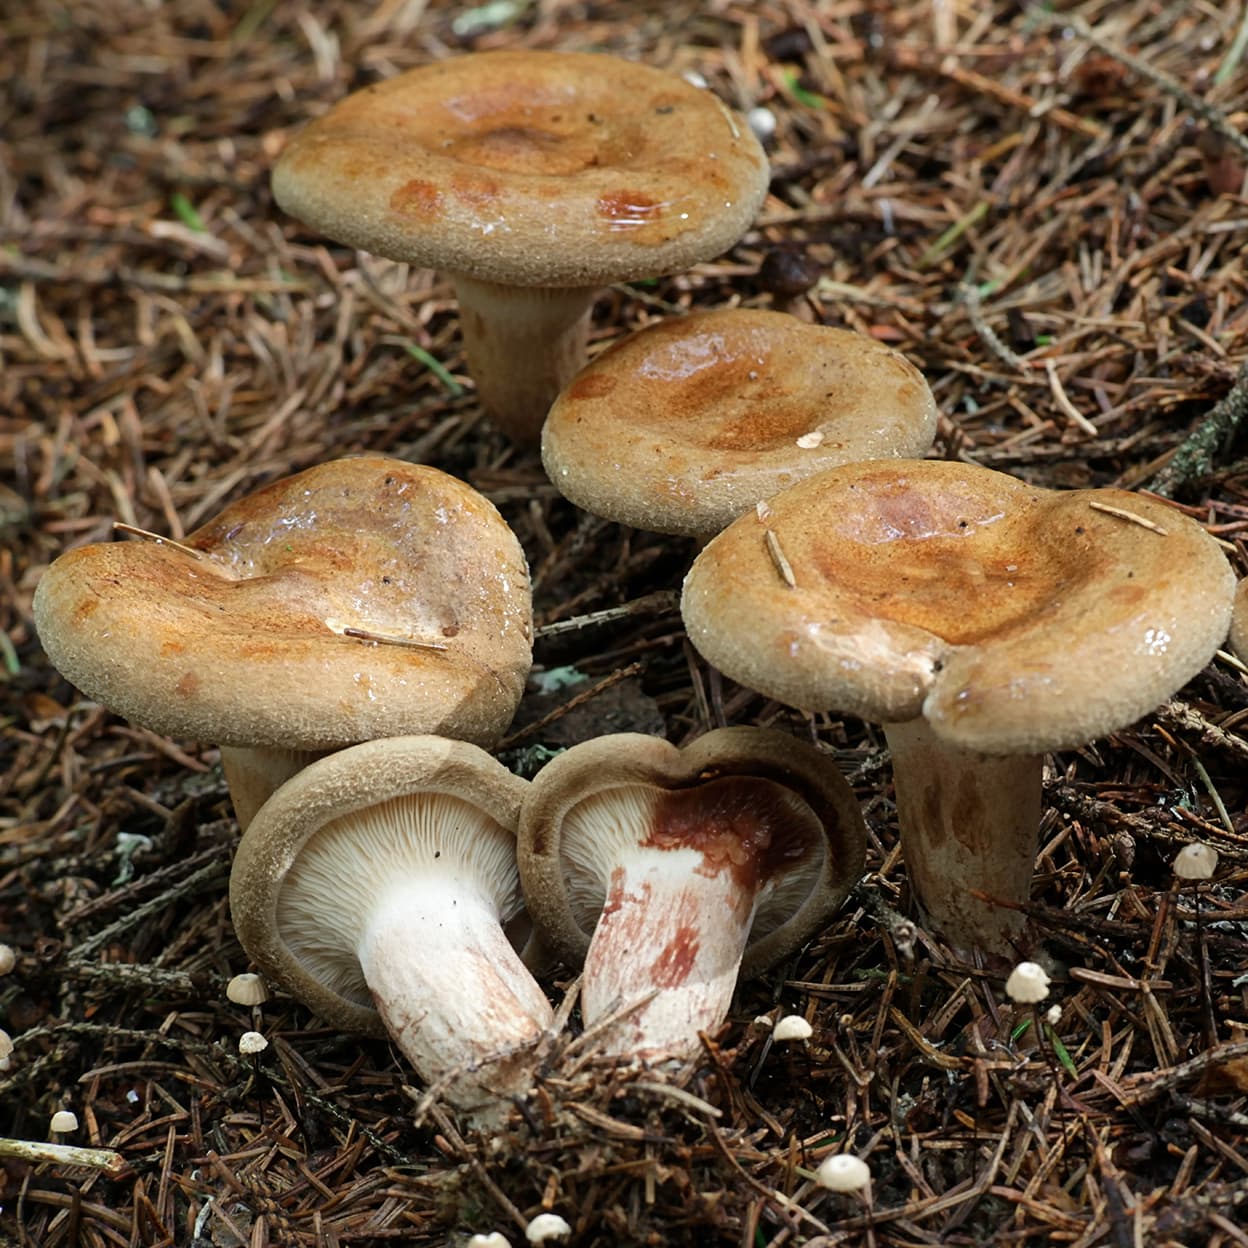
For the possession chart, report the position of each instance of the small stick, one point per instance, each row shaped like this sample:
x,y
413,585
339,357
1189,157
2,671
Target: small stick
x,y
1210,113
679,1095
205,876
1234,54
782,565
63,1154
540,725
364,634
661,602
1060,397
1151,525
1195,454
132,530
1138,1089
971,300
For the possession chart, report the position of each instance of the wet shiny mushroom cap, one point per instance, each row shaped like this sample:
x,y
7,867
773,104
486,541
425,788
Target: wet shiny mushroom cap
x,y
1014,619
685,425
362,598
529,168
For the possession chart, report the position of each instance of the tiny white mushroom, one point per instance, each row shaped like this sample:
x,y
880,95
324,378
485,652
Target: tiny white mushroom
x,y
8,959
247,989
1053,1015
6,1050
1196,861
843,1173
792,1027
546,1226
495,1239
762,121
64,1121
1028,983
251,1043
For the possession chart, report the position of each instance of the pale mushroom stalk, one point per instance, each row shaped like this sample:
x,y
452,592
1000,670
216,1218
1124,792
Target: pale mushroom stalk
x,y
675,932
969,823
451,990
523,345
254,772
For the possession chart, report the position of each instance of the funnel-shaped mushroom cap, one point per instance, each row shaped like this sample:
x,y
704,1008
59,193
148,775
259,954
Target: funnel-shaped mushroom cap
x,y
1013,619
362,598
685,425
1239,621
688,864
530,169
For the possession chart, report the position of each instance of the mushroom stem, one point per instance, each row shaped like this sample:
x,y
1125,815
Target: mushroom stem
x,y
253,773
523,345
668,924
969,823
452,991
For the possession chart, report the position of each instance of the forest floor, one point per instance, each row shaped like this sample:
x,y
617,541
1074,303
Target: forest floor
x,y
1044,208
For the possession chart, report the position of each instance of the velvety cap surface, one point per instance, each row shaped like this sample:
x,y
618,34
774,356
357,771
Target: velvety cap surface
x,y
529,168
1239,621
1014,619
251,643
685,425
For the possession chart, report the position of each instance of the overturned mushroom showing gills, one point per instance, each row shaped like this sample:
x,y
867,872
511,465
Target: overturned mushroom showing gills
x,y
374,885
670,872
365,597
532,179
687,424
983,621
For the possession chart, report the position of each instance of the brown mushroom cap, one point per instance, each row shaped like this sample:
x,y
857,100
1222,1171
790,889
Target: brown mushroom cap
x,y
803,846
683,426
1014,619
250,643
529,168
1239,621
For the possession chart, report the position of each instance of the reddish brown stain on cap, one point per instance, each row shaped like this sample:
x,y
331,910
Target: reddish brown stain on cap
x,y
477,190
591,386
417,198
186,687
1129,595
